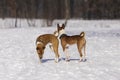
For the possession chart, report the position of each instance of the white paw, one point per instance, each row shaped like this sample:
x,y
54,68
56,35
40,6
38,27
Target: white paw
x,y
83,60
56,60
67,59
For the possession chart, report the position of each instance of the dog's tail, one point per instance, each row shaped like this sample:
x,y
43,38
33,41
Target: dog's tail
x,y
82,34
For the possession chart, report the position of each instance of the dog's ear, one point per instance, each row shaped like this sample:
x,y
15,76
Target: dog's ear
x,y
63,25
43,47
37,48
57,25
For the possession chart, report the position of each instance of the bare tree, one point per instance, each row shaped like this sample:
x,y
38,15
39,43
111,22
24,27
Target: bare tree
x,y
3,8
12,6
48,12
30,14
67,11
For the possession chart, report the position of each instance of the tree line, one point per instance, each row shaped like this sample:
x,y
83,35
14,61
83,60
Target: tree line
x,y
60,9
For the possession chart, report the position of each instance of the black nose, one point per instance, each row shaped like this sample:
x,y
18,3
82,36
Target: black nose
x,y
40,57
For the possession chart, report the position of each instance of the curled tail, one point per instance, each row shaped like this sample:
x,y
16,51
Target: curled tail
x,y
82,34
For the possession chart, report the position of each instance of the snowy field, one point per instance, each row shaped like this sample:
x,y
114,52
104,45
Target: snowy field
x,y
19,60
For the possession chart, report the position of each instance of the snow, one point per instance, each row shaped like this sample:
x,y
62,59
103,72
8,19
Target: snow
x,y
19,60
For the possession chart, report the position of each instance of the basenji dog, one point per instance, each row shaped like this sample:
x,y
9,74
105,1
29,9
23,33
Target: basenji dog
x,y
69,40
41,43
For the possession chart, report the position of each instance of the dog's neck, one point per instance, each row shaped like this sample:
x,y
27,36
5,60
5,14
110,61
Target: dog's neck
x,y
61,32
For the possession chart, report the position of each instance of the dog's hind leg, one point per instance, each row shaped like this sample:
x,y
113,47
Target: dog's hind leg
x,y
84,57
81,56
55,49
79,46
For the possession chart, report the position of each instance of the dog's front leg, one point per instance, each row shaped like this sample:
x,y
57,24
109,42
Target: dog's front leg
x,y
67,54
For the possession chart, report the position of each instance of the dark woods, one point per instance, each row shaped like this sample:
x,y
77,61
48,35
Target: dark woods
x,y
60,9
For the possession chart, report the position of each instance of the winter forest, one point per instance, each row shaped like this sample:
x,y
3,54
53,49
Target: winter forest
x,y
58,9
22,21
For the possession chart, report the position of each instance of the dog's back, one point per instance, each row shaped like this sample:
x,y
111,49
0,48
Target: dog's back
x,y
47,38
71,39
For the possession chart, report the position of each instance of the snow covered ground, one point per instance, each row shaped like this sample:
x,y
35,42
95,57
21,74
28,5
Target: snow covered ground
x,y
19,60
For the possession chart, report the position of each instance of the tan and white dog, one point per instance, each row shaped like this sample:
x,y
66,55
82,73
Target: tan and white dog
x,y
69,40
43,40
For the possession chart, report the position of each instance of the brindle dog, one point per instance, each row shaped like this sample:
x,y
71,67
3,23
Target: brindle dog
x,y
69,40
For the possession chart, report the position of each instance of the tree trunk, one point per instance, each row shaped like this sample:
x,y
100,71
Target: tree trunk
x,y
67,14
